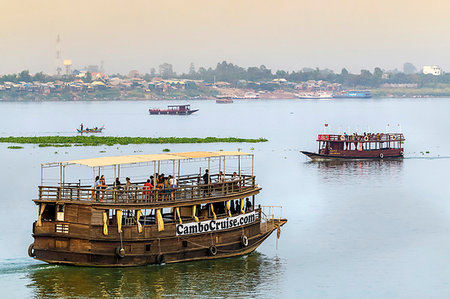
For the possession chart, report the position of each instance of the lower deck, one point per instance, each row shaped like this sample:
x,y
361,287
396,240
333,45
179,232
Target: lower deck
x,y
150,246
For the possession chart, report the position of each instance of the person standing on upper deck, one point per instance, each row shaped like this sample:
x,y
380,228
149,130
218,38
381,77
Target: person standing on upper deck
x,y
206,181
94,188
206,177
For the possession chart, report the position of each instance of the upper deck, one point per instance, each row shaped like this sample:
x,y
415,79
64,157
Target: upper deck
x,y
189,190
370,137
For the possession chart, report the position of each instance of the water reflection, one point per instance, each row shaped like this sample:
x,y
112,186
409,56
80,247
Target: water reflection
x,y
250,275
338,171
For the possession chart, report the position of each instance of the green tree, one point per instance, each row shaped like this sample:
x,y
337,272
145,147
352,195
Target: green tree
x,y
24,76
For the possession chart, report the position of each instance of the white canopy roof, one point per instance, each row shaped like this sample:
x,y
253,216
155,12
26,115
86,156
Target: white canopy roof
x,y
135,159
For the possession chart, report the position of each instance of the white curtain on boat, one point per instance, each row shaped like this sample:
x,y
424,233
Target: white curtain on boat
x,y
41,211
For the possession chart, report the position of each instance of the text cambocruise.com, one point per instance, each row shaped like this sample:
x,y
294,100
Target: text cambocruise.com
x,y
215,225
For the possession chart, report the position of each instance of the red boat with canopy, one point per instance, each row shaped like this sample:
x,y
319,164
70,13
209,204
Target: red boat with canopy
x,y
366,146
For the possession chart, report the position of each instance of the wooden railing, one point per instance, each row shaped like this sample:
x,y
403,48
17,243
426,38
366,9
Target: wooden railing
x,y
271,212
379,137
188,189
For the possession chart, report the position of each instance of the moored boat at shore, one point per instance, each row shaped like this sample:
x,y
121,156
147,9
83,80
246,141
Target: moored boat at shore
x,y
353,94
173,110
315,96
367,146
195,217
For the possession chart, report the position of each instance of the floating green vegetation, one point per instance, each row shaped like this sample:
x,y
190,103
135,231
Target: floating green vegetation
x,y
166,150
54,145
15,147
67,141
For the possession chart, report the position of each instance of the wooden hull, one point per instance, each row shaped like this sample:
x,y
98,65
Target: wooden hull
x,y
167,249
167,112
356,155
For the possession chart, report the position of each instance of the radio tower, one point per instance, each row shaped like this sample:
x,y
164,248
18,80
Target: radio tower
x,y
58,56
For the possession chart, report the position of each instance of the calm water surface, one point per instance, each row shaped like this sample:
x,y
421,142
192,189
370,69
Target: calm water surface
x,y
376,229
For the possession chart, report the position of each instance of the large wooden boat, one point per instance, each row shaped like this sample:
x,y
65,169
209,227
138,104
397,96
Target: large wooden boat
x,y
135,224
368,146
173,110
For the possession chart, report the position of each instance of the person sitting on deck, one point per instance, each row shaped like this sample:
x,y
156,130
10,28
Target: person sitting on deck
x,y
234,177
220,178
118,184
128,183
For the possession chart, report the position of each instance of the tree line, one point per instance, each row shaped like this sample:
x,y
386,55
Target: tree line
x,y
231,73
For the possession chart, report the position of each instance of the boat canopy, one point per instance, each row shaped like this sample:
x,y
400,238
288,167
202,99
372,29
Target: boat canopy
x,y
137,159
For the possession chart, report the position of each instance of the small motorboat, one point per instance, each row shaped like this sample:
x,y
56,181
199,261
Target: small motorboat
x,y
91,130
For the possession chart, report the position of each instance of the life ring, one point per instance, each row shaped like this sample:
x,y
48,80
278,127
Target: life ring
x,y
366,138
212,250
31,252
160,259
244,241
381,156
120,251
394,137
342,137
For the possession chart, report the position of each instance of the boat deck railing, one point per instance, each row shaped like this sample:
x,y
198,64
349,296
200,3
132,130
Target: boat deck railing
x,y
271,212
189,188
378,137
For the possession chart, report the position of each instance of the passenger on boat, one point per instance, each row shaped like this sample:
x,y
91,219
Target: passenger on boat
x,y
81,126
117,184
232,208
147,187
172,185
220,178
234,177
206,181
128,183
95,187
102,186
206,177
248,205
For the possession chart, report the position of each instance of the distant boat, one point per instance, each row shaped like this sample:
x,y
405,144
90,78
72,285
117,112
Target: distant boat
x,y
368,146
92,130
224,101
355,94
173,110
315,96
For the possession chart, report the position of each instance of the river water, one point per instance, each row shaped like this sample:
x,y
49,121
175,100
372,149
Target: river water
x,y
372,229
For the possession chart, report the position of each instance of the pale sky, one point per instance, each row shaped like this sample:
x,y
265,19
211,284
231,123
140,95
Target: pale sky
x,y
282,34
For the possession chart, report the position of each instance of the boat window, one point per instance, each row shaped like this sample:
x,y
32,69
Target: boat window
x,y
147,247
60,213
49,213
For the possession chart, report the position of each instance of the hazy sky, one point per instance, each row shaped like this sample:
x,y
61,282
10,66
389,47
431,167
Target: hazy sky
x,y
282,34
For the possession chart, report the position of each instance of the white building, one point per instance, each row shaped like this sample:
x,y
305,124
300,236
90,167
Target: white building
x,y
432,69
